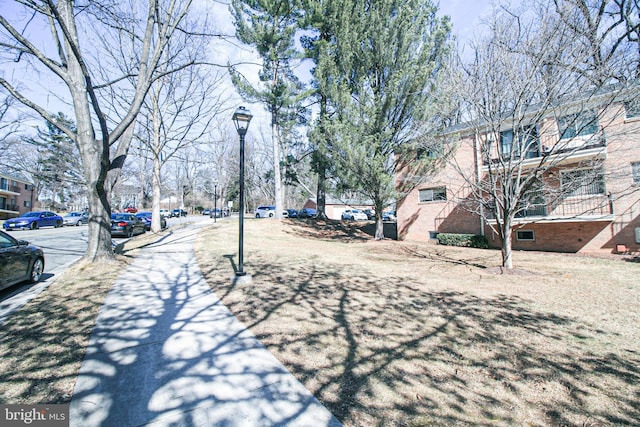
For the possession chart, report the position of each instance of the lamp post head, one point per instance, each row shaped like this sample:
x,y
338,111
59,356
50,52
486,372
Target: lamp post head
x,y
241,119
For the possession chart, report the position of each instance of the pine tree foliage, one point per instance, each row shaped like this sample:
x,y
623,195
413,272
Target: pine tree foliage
x,y
380,75
59,168
270,26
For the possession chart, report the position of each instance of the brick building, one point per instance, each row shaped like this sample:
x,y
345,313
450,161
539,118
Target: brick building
x,y
601,214
16,196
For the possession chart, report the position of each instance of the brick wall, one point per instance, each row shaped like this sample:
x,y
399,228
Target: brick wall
x,y
416,220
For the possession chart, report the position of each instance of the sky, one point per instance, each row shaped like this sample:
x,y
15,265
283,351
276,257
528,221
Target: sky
x,y
466,16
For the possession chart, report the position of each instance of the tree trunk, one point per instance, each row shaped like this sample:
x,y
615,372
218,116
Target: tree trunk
x,y
379,223
94,152
507,232
321,191
276,165
156,220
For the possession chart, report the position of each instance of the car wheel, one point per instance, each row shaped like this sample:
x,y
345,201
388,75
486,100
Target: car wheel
x,y
33,226
270,215
257,215
78,223
58,224
36,270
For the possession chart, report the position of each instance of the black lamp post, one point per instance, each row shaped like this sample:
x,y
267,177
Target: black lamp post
x,y
215,201
241,119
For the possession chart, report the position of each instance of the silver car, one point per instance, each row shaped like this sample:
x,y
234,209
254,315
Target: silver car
x,y
75,218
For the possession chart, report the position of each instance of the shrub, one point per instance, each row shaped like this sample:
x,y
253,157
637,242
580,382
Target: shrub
x,y
464,240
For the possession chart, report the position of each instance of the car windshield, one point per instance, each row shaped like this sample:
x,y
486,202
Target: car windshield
x,y
73,214
120,217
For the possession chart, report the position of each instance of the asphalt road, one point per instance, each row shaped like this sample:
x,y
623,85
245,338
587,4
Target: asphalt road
x,y
62,247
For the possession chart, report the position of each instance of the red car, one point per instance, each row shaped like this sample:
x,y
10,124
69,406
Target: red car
x,y
130,209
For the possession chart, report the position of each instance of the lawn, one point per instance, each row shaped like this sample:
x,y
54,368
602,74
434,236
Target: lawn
x,y
401,333
42,344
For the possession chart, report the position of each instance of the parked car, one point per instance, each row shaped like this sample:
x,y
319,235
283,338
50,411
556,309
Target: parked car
x,y
146,217
125,224
389,216
292,213
165,212
34,220
130,209
206,212
354,215
76,218
177,213
370,213
307,213
19,261
216,211
265,211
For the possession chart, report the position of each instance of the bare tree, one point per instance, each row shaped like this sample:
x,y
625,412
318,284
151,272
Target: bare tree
x,y
137,33
531,108
605,33
178,113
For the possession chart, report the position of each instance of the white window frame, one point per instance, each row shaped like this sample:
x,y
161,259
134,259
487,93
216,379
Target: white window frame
x,y
632,109
434,192
635,173
578,125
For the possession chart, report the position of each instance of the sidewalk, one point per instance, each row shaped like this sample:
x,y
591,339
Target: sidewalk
x,y
166,352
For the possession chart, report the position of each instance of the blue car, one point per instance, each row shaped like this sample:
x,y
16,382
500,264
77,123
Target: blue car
x,y
33,221
146,216
307,213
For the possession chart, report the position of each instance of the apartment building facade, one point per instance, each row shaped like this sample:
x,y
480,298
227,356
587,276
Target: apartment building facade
x,y
16,196
588,167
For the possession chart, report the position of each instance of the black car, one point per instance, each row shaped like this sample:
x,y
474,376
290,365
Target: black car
x,y
146,217
126,224
19,261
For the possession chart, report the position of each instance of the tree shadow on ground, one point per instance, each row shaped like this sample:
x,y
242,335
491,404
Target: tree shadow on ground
x,y
395,352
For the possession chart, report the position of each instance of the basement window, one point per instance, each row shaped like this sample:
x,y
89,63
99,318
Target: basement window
x,y
525,236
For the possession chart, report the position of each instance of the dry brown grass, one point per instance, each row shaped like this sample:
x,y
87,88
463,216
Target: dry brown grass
x,y
397,333
43,344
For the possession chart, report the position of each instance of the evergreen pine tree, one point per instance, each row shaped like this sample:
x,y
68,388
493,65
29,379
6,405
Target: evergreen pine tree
x,y
379,73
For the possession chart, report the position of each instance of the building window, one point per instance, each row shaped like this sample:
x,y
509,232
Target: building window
x,y
27,204
583,182
525,236
632,109
433,194
635,172
580,124
524,141
434,150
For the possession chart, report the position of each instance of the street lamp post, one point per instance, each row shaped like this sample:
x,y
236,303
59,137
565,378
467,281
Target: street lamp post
x,y
215,201
241,119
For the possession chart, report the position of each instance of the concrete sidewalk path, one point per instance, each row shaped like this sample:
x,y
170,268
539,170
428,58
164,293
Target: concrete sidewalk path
x,y
166,352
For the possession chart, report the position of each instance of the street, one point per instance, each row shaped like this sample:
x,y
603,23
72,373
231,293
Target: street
x,y
62,247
